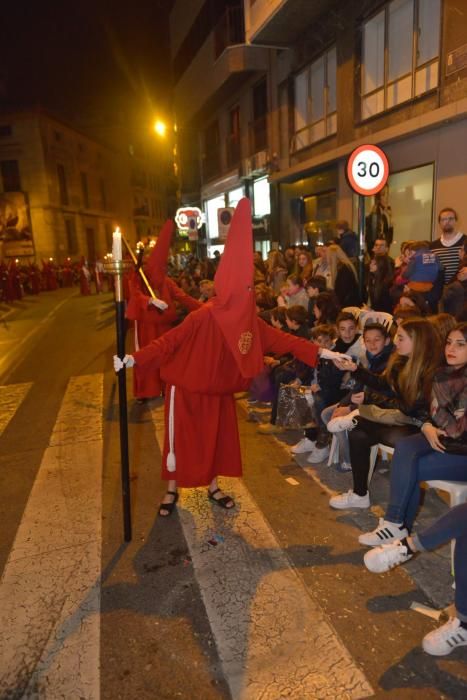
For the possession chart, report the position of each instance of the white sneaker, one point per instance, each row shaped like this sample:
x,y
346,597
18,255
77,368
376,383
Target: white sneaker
x,y
386,557
318,454
348,422
305,445
350,500
385,533
445,639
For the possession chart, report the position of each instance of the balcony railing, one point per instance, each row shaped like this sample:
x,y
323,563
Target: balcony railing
x,y
229,30
233,150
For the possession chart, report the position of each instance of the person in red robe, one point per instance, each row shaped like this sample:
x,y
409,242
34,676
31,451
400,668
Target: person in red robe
x,y
150,320
213,354
84,278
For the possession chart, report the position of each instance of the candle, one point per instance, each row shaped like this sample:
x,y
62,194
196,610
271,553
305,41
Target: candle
x,y
117,244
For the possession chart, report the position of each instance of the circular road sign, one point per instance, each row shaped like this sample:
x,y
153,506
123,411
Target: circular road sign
x,y
367,169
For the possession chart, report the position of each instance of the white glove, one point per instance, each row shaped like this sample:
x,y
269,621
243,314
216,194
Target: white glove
x,y
331,355
128,361
159,304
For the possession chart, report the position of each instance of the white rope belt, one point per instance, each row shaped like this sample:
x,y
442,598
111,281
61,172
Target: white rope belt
x,y
171,455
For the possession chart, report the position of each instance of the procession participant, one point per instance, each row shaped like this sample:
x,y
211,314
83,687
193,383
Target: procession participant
x,y
84,278
151,318
213,354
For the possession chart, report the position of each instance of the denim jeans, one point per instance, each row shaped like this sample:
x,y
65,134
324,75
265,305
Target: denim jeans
x,y
452,525
414,461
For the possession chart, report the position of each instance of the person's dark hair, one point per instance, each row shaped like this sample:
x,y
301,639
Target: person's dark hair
x,y
372,326
382,278
317,282
443,324
326,329
297,313
342,225
279,314
419,300
295,279
405,312
461,327
346,316
329,306
445,209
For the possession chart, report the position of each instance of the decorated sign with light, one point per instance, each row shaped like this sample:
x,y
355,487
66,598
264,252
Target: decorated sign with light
x,y
189,219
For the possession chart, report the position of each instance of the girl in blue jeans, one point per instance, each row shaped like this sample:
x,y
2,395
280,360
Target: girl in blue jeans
x,y
452,525
440,452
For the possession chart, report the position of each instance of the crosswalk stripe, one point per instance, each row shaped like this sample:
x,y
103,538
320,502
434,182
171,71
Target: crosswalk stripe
x,y
50,590
273,638
11,398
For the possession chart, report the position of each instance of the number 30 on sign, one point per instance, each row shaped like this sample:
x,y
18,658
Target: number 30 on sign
x,y
367,170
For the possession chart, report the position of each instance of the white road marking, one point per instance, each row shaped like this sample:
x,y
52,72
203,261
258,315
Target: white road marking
x,y
273,639
50,588
11,398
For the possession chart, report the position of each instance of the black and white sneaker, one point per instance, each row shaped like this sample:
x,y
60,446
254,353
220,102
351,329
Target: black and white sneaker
x,y
445,639
385,533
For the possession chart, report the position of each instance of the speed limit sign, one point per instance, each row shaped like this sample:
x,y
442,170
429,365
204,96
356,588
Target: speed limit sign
x,y
367,169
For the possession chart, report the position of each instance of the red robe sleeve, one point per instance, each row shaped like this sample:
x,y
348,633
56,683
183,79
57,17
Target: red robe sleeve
x,y
179,295
162,349
281,343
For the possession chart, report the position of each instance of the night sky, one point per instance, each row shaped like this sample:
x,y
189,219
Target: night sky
x,y
86,59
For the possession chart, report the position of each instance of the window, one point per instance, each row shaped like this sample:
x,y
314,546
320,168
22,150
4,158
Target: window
x,y
71,238
84,189
103,194
259,126
62,184
234,196
315,101
233,139
10,176
400,54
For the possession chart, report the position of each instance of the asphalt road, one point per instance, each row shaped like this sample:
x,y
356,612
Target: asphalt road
x,y
269,602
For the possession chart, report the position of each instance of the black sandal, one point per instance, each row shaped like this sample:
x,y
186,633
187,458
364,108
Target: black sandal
x,y
221,502
169,507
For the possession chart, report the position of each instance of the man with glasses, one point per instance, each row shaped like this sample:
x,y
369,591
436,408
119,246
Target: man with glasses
x,y
447,246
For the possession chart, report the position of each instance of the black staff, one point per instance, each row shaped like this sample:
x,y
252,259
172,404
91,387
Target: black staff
x,y
117,268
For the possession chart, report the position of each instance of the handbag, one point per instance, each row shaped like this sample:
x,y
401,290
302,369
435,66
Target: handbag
x,y
293,406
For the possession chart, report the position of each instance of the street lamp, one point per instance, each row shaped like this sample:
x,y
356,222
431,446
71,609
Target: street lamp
x,y
160,128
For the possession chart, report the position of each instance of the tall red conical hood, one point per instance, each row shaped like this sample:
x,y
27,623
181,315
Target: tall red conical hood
x,y
156,265
234,306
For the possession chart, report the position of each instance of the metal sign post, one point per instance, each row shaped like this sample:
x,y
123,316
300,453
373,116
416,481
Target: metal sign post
x,y
117,267
367,173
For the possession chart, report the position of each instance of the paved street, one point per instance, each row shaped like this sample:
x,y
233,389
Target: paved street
x,y
269,601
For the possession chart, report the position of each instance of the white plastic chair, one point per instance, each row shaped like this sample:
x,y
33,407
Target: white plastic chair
x,y
381,317
354,310
457,490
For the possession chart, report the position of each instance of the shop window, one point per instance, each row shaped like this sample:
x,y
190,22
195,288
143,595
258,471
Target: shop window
x,y
261,197
315,101
62,184
234,196
11,180
212,205
400,54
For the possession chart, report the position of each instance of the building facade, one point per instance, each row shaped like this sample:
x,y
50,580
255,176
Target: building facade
x,y
294,86
62,193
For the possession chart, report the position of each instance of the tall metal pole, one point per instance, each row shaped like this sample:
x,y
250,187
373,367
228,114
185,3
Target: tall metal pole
x,y
361,245
117,269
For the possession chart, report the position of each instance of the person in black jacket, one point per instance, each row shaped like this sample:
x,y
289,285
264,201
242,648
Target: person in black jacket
x,y
344,279
380,281
408,380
